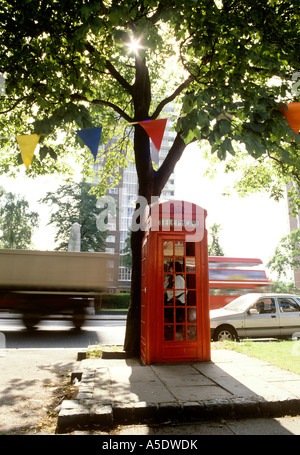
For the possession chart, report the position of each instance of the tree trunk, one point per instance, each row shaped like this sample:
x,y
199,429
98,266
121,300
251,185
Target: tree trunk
x,y
145,178
133,326
151,183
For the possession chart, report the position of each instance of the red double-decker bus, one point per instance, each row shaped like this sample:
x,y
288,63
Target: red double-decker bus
x,y
231,277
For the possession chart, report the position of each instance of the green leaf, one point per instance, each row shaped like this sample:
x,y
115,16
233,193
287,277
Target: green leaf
x,y
19,159
43,152
52,153
188,136
221,154
203,119
224,126
188,103
226,146
257,127
254,147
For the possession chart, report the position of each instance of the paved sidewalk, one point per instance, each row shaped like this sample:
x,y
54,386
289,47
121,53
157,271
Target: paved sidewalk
x,y
231,386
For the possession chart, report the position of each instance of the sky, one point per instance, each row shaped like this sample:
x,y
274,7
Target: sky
x,y
251,227
32,190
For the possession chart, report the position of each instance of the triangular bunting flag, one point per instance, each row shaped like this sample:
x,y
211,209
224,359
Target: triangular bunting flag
x,y
155,130
27,144
91,137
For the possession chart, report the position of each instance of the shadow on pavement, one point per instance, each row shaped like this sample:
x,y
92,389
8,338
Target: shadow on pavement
x,y
67,338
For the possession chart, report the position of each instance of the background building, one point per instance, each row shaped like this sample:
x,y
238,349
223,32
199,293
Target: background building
x,y
125,194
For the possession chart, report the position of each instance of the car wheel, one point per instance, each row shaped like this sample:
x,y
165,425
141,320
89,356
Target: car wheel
x,y
78,318
30,320
225,333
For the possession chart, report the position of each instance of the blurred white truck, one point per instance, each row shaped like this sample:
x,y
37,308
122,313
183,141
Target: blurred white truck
x,y
37,284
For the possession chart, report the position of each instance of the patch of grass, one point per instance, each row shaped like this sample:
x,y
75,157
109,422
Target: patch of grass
x,y
283,354
95,351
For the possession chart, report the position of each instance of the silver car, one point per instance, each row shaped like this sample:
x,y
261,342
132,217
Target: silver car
x,y
257,316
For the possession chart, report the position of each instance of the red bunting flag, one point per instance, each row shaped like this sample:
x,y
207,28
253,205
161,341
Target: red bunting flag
x,y
155,130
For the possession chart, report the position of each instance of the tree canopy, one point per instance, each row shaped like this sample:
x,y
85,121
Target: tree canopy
x,y
286,256
73,203
214,247
77,63
17,222
225,64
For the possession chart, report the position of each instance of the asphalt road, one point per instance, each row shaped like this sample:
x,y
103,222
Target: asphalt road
x,y
37,363
60,334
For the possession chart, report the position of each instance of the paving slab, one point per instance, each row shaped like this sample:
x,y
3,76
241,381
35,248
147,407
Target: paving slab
x,y
231,385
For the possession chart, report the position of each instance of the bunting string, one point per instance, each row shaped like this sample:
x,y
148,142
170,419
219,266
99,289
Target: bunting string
x,y
91,138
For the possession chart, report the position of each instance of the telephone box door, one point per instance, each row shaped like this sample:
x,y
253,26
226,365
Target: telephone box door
x,y
175,298
183,331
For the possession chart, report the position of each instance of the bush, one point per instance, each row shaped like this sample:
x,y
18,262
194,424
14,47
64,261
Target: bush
x,y
282,287
112,302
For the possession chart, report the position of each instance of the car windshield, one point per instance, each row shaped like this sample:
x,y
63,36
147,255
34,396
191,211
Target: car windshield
x,y
241,303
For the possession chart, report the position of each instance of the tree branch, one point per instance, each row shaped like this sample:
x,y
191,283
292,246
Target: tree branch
x,y
111,69
114,107
20,100
170,98
282,165
118,77
103,103
167,167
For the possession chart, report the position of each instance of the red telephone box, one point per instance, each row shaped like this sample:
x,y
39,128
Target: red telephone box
x,y
175,285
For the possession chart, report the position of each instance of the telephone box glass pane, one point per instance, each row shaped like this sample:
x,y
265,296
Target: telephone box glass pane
x,y
180,315
179,282
190,248
191,314
190,265
168,315
180,332
168,298
168,333
191,298
168,264
191,281
179,248
168,248
169,281
180,297
191,332
179,265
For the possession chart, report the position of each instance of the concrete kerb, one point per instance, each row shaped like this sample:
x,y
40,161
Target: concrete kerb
x,y
94,407
75,415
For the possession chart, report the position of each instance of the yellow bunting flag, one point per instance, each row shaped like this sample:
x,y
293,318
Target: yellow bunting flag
x,y
27,144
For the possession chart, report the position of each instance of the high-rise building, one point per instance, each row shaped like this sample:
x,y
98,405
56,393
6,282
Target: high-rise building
x,y
125,194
